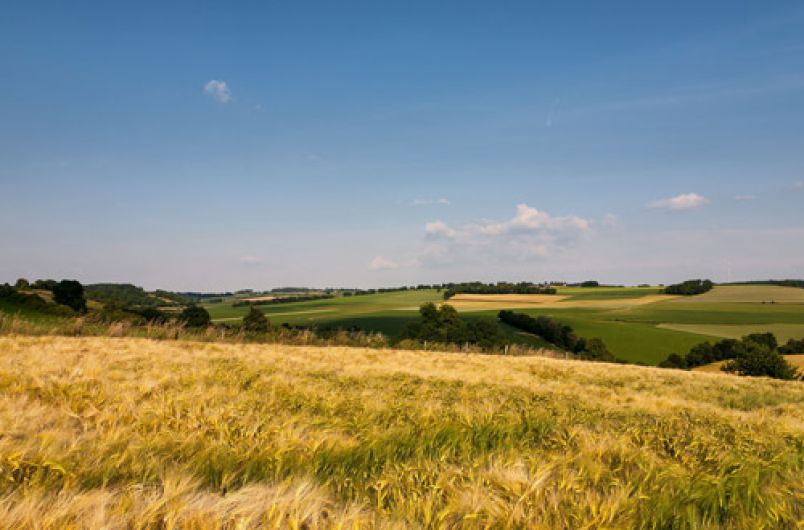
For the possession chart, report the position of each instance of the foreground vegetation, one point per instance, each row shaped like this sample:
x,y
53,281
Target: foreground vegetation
x,y
636,324
136,433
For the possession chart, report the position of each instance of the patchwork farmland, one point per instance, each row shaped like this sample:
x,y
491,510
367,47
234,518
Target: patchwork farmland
x,y
637,323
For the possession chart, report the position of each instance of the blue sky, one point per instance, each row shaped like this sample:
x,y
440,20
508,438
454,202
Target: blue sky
x,y
207,146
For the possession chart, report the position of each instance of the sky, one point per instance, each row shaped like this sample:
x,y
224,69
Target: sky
x,y
227,145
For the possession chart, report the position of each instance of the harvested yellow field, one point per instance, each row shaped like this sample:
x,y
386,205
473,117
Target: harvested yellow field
x,y
136,433
521,298
266,298
479,302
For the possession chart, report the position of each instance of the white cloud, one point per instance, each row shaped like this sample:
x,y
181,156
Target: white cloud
x,y
429,202
799,185
218,90
381,263
741,198
439,229
531,233
685,201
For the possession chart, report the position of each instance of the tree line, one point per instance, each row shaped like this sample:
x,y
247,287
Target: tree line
x,y
558,334
284,300
496,288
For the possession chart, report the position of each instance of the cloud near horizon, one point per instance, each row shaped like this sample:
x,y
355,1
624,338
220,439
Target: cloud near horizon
x,y
685,201
531,233
218,90
381,263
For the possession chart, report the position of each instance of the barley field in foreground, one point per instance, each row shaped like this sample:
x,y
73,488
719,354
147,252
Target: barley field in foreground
x,y
137,433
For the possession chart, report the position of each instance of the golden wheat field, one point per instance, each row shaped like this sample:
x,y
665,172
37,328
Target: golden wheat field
x,y
138,433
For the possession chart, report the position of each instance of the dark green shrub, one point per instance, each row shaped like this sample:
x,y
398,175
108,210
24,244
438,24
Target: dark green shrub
x,y
792,346
760,361
255,321
195,317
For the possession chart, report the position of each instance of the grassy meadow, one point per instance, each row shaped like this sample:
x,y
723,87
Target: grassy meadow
x,y
637,323
136,433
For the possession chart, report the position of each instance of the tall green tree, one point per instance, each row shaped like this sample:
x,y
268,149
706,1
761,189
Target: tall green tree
x,y
255,321
71,294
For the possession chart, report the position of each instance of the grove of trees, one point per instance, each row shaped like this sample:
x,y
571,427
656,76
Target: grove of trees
x,y
689,287
443,324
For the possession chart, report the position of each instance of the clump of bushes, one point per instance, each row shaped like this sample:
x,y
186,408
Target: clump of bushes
x,y
757,354
689,287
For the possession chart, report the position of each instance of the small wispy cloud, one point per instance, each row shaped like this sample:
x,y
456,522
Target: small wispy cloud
x,y
799,185
685,201
218,90
430,202
381,263
742,198
439,229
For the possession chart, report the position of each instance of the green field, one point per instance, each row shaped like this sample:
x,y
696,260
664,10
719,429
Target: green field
x,y
643,333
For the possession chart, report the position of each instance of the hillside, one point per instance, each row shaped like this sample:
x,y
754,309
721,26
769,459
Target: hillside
x,y
140,433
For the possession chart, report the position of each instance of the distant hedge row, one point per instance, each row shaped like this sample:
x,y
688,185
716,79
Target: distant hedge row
x,y
497,288
284,300
689,287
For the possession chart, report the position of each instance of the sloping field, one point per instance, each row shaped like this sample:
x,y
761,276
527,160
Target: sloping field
x,y
748,294
783,332
479,302
132,433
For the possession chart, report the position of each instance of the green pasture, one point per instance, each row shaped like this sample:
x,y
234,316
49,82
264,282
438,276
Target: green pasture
x,y
641,333
606,293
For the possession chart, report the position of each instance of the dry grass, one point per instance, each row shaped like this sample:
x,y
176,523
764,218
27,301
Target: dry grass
x,y
136,433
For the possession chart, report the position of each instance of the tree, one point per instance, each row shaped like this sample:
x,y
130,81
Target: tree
x,y
255,321
760,361
793,346
673,360
596,350
71,294
484,332
765,339
195,316
22,283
